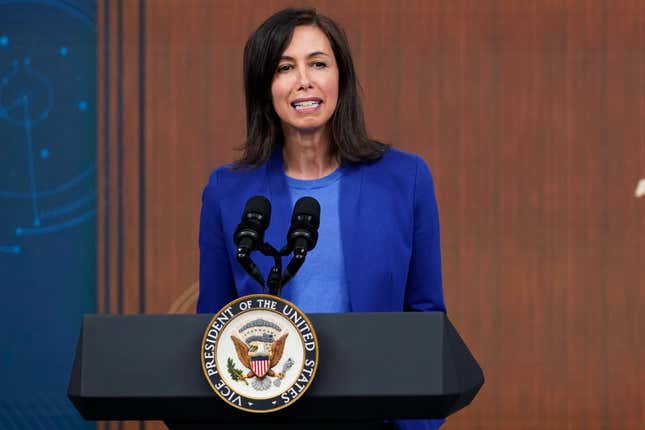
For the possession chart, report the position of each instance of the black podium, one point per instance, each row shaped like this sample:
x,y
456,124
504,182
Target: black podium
x,y
372,367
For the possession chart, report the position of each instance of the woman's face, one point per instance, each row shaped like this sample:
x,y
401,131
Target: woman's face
x,y
305,86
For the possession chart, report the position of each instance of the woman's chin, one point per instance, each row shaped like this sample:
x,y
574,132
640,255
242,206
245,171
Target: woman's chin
x,y
307,127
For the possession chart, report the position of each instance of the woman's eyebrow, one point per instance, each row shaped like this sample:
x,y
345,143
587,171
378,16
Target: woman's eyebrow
x,y
313,54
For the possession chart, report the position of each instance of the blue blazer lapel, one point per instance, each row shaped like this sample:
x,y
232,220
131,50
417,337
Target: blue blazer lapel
x,y
350,227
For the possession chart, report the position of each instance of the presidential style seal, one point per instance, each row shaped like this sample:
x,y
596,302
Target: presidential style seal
x,y
260,353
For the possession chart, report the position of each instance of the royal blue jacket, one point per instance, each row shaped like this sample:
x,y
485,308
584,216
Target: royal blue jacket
x,y
389,228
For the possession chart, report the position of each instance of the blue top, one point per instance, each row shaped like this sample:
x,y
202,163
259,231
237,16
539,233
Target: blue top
x,y
320,285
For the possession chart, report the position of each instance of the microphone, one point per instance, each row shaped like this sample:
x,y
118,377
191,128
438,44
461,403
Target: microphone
x,y
303,234
249,234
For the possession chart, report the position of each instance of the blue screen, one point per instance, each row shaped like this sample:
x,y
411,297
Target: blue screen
x,y
47,204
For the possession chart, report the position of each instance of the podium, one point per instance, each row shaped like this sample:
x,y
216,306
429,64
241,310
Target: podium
x,y
372,367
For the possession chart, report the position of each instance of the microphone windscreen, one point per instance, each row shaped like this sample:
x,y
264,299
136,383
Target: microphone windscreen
x,y
307,206
259,205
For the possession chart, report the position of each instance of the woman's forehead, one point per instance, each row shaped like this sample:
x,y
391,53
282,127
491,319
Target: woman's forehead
x,y
307,41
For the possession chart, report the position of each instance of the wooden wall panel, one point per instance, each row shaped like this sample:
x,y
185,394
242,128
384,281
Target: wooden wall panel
x,y
626,215
120,239
119,161
532,118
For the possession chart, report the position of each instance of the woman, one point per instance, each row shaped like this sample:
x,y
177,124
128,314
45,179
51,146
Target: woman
x,y
378,246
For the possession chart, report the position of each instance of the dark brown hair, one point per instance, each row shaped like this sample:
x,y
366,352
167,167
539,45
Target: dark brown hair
x,y
261,58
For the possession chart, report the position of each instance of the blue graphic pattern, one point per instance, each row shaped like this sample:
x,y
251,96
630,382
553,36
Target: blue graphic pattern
x,y
47,204
26,99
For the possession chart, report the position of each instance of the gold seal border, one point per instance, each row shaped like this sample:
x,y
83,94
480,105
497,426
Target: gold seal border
x,y
233,303
281,318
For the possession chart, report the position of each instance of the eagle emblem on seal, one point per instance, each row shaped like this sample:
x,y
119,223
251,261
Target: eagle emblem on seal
x,y
260,350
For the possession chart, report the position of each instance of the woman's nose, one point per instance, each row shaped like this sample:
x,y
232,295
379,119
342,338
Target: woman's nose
x,y
304,80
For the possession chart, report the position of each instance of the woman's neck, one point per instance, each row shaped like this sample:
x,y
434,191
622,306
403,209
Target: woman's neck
x,y
308,155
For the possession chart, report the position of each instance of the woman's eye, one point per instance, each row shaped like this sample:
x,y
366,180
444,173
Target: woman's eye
x,y
284,68
319,65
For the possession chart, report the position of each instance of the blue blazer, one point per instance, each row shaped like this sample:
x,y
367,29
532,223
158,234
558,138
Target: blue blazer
x,y
389,229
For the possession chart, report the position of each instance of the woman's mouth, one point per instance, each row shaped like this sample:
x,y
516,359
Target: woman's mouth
x,y
306,106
